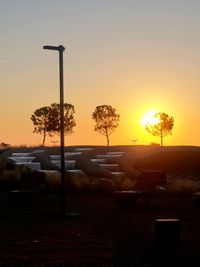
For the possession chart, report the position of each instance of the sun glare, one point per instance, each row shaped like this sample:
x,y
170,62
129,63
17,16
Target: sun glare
x,y
149,118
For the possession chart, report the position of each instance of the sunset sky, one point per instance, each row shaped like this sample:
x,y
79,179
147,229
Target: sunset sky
x,y
135,55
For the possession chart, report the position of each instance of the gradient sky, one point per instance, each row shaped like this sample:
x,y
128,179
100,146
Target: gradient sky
x,y
136,56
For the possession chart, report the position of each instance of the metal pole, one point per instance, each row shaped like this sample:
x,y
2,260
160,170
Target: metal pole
x,y
62,132
61,49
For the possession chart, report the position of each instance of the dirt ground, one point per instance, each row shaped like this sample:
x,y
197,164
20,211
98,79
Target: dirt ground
x,y
102,235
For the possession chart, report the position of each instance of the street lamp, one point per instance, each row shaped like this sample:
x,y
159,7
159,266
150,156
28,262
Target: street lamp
x,y
61,49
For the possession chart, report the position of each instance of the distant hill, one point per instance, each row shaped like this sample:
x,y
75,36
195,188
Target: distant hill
x,y
172,159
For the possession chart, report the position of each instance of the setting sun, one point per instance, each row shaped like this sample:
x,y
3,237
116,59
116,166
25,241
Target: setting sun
x,y
149,118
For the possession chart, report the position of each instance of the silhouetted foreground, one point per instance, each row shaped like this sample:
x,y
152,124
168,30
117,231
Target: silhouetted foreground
x,y
103,235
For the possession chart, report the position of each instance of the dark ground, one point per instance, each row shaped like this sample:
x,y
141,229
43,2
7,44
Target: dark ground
x,y
103,234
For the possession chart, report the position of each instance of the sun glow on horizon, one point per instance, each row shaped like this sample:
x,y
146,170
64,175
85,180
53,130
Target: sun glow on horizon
x,y
149,118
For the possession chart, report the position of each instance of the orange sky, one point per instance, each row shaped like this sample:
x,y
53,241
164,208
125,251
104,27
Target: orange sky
x,y
136,56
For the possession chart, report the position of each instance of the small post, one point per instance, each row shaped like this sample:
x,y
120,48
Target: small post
x,y
167,241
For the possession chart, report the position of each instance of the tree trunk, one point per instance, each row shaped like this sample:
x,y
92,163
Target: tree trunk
x,y
108,142
44,138
161,139
107,138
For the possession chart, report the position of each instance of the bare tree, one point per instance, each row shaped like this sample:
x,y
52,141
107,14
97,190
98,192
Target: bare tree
x,y
162,128
106,119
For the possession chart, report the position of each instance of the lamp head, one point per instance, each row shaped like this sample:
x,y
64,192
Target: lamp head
x,y
59,48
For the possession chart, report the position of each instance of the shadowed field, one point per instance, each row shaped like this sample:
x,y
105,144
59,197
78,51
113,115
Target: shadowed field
x,y
104,234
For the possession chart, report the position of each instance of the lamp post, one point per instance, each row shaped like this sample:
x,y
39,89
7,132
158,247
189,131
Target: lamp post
x,y
61,49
